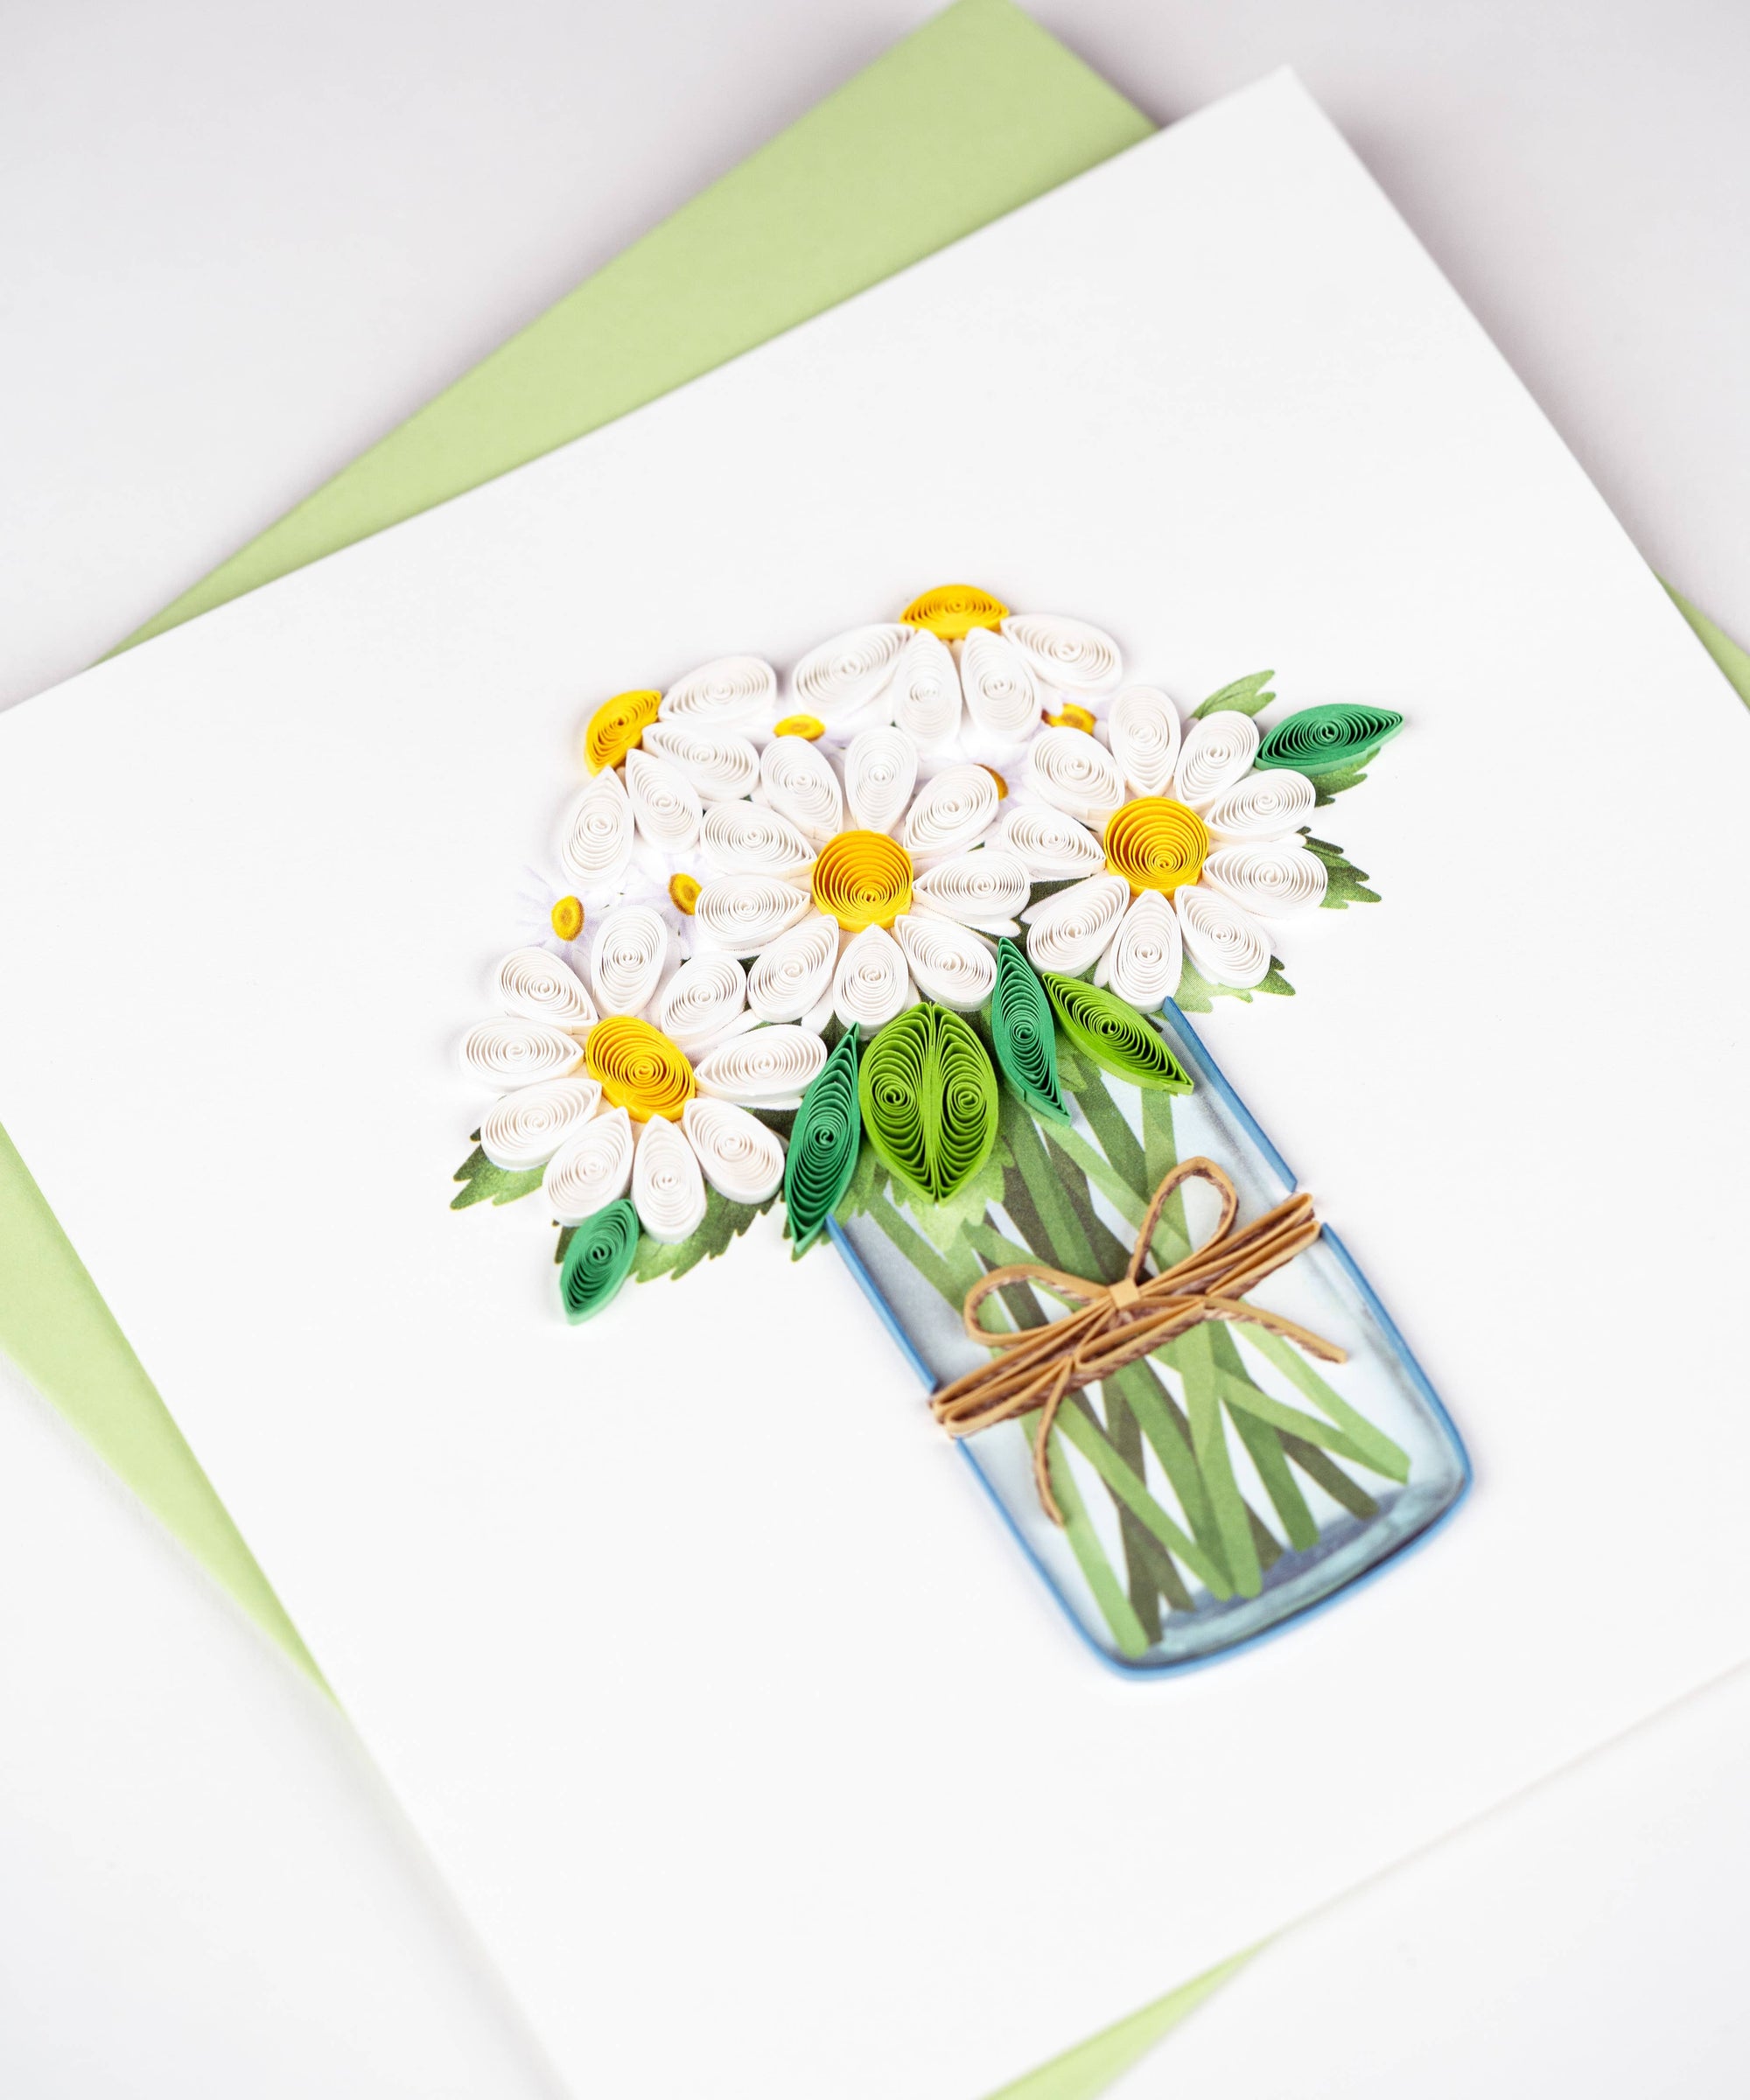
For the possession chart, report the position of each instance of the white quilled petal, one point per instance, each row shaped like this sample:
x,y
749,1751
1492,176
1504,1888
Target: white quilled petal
x,y
927,692
509,1052
541,986
948,962
665,804
1075,773
880,770
742,1159
842,676
798,782
766,1068
591,1169
626,958
1216,754
871,983
1145,733
729,692
668,1189
790,978
595,838
702,999
1274,878
1146,957
1049,844
988,889
1067,656
747,838
1264,805
526,1128
743,914
720,764
1002,697
949,812
1225,944
1068,929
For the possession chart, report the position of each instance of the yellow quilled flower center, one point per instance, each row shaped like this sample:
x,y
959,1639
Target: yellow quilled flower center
x,y
1155,843
617,725
863,879
1069,715
951,610
639,1069
684,893
567,918
809,726
1002,785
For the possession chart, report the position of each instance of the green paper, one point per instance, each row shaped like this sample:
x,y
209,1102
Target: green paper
x,y
1110,1031
823,1144
597,1260
929,1095
1248,696
1340,738
1022,1031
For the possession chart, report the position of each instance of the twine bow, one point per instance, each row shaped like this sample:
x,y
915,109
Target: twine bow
x,y
1039,1368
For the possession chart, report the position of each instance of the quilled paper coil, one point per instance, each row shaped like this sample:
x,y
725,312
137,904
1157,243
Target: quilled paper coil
x,y
842,676
668,1189
1068,769
928,1095
729,692
626,958
862,879
1068,930
665,805
1050,846
1001,694
880,770
1145,733
951,610
1022,1031
595,838
1336,739
949,812
988,890
1111,1032
821,1154
721,765
1216,754
792,977
1265,805
1274,878
743,914
639,1069
509,1052
744,838
1225,944
766,1068
927,692
1155,843
949,964
742,1159
616,727
796,780
524,1129
702,999
871,983
1067,656
1146,958
598,1261
541,986
591,1169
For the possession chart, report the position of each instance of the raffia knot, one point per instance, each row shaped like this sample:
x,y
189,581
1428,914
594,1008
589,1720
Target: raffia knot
x,y
1036,1368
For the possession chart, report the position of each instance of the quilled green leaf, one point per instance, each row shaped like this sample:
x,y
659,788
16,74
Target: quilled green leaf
x,y
824,1140
597,1260
927,1091
1022,1031
1115,1035
1336,739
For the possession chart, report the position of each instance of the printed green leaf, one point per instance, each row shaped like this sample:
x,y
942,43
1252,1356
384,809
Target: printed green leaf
x,y
1345,884
1197,995
724,1222
1245,696
486,1183
1329,786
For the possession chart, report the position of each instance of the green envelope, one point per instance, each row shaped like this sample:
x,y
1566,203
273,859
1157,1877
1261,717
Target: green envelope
x,y
975,114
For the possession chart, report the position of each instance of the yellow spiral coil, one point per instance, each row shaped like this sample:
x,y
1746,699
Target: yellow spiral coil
x,y
1155,843
952,611
639,1069
863,879
618,725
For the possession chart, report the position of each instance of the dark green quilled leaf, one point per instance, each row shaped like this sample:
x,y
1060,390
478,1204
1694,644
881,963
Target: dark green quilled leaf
x,y
824,1141
598,1259
1339,738
1022,1033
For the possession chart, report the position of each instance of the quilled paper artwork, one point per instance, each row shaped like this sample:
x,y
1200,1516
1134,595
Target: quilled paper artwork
x,y
902,941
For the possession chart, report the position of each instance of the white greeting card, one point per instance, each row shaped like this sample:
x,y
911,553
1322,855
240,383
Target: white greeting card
x,y
693,1650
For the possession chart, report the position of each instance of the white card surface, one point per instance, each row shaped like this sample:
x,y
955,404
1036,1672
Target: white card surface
x,y
759,1757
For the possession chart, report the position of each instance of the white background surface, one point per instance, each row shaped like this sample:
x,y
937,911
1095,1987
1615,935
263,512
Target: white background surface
x,y
1583,220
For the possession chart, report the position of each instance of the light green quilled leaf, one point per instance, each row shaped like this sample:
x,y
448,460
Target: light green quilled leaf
x,y
1345,884
485,1183
1197,995
1248,696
